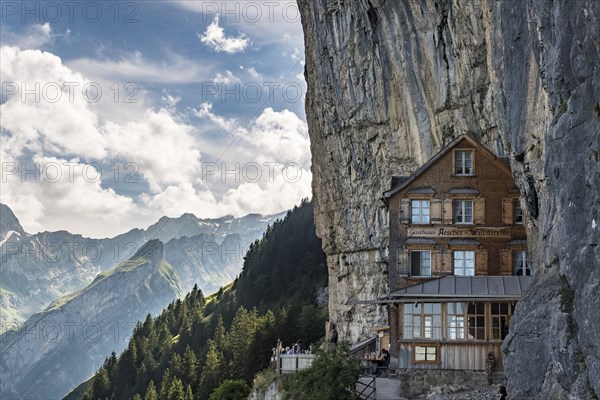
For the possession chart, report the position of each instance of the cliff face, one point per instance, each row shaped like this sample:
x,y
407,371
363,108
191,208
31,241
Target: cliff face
x,y
391,82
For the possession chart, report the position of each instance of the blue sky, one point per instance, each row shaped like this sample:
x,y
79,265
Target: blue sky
x,y
116,113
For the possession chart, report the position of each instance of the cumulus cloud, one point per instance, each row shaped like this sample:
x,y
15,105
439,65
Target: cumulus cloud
x,y
54,90
58,194
162,148
266,163
214,37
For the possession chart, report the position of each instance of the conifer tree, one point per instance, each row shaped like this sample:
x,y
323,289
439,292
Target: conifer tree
x,y
151,392
212,371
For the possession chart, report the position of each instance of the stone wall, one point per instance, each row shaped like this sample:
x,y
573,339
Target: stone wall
x,y
415,382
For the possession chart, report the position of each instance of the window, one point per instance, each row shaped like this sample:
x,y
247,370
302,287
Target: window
x,y
419,211
518,212
463,163
521,262
456,321
422,321
501,313
464,263
463,211
420,263
476,321
425,354
412,321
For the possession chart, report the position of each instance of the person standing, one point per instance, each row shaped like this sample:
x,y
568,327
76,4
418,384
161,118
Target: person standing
x,y
502,392
490,363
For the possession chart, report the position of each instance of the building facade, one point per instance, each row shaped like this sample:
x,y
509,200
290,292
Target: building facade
x,y
458,259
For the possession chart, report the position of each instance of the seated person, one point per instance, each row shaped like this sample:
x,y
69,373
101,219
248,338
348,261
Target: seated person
x,y
383,360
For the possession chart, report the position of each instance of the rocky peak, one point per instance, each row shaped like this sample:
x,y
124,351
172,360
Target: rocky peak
x,y
8,223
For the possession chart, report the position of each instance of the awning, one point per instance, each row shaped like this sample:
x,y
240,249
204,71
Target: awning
x,y
452,288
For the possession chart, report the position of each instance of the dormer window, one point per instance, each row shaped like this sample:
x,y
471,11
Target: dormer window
x,y
419,211
463,162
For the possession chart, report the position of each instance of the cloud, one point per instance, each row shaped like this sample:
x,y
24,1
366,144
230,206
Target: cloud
x,y
254,74
205,111
35,37
164,149
68,196
214,37
161,146
136,68
265,163
49,119
226,79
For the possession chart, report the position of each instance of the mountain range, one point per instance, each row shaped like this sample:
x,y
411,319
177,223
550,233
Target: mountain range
x,y
37,269
63,345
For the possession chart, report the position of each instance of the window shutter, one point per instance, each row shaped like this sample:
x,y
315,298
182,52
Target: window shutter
x,y
435,213
447,218
436,262
446,262
481,262
479,211
506,262
403,265
405,211
507,211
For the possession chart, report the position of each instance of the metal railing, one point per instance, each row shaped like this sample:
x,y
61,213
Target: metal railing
x,y
292,363
366,390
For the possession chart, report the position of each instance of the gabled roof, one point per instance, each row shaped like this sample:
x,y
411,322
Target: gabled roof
x,y
493,287
399,184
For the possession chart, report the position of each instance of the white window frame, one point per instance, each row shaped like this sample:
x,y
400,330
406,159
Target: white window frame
x,y
461,167
522,258
462,206
455,321
428,352
428,252
517,207
460,266
420,211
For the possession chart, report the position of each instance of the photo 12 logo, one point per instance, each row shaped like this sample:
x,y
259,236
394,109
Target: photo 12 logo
x,y
251,172
126,12
250,11
251,92
54,92
54,172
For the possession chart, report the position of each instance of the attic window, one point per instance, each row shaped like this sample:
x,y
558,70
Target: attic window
x,y
463,162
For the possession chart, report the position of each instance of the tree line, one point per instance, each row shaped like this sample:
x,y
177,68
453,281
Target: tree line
x,y
198,343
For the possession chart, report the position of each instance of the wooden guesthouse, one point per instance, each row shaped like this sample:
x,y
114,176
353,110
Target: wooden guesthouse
x,y
458,259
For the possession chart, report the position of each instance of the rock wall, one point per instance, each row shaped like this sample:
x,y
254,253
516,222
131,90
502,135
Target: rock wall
x,y
391,82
